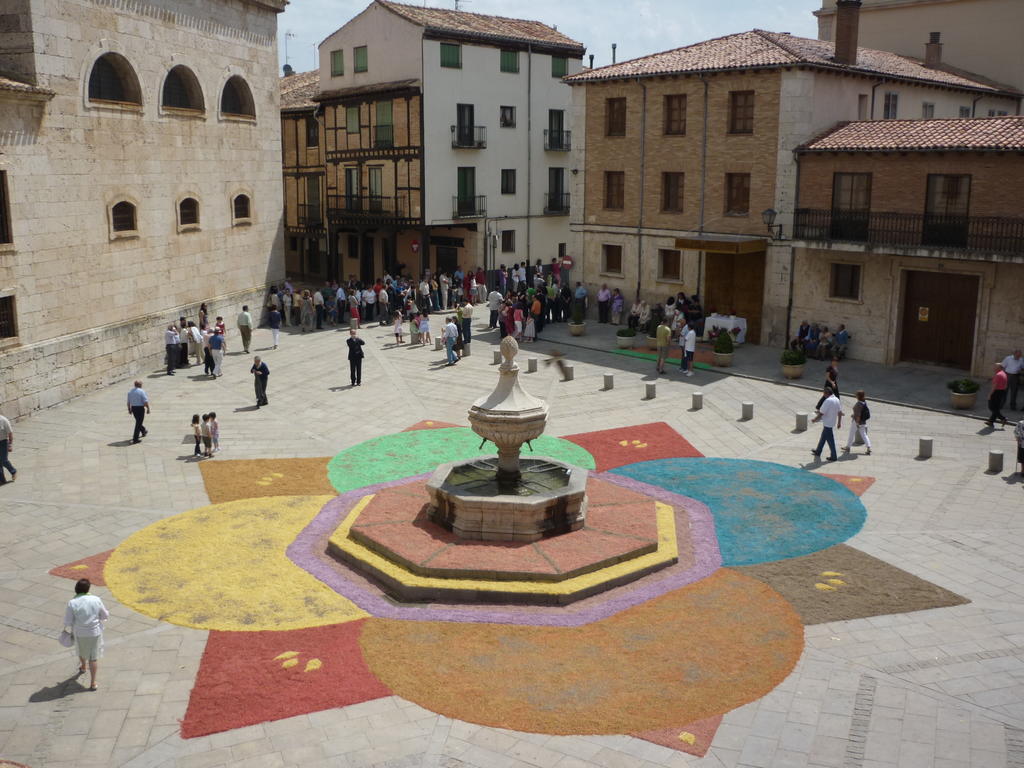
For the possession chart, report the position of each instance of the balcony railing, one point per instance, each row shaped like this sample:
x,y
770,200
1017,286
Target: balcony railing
x,y
469,207
368,206
469,136
557,141
556,203
309,215
993,234
383,136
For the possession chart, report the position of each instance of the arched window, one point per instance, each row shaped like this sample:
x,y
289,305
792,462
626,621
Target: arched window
x,y
237,98
113,79
182,91
242,207
122,217
188,211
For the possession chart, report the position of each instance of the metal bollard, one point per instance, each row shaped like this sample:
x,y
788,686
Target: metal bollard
x,y
748,410
465,350
650,390
497,357
995,461
801,421
924,447
531,365
609,381
698,401
438,344
568,373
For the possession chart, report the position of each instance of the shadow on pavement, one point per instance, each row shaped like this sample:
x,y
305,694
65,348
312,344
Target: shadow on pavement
x,y
59,691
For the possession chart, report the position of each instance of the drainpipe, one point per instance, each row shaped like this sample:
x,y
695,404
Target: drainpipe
x,y
529,145
703,184
873,89
643,167
974,106
792,255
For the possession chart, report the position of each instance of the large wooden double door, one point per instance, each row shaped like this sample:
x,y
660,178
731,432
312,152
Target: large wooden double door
x,y
939,313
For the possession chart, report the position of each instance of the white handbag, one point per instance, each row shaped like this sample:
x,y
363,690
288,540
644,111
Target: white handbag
x,y
67,639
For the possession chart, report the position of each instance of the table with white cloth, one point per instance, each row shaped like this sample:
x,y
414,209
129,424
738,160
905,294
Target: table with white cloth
x,y
727,323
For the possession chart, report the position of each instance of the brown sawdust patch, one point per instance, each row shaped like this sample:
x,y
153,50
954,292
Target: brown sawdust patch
x,y
869,586
238,479
687,655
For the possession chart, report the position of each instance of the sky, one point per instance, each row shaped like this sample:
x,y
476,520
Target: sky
x,y
638,27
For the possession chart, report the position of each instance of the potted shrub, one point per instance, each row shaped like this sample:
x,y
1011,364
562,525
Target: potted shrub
x,y
793,361
624,338
577,324
723,349
963,393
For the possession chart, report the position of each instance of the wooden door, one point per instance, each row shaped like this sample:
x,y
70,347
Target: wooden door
x,y
939,311
734,284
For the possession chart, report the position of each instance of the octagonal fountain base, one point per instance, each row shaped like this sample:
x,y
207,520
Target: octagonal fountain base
x,y
548,499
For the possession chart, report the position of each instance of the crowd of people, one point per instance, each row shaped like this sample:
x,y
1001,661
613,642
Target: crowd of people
x,y
818,342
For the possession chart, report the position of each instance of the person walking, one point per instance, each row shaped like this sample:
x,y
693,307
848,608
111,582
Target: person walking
x,y
451,333
467,321
171,344
138,406
218,346
260,373
859,423
688,346
664,335
1018,433
197,433
830,415
997,396
6,446
494,299
1012,367
355,357
306,311
84,618
274,320
244,321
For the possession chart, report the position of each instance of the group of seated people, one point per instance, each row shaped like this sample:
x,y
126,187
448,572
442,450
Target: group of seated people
x,y
679,309
819,342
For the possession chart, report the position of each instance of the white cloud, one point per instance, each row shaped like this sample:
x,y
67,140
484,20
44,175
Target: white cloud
x,y
639,27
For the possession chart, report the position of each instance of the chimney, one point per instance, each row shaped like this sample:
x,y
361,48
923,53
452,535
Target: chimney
x,y
288,71
614,46
847,23
933,51
591,61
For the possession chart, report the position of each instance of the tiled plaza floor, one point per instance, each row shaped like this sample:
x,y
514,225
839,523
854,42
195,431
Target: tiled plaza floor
x,y
942,688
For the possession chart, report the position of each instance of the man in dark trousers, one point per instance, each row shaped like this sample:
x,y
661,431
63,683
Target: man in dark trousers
x,y
138,406
355,357
260,373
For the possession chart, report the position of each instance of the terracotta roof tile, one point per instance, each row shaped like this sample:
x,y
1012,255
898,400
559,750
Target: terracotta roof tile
x,y
478,25
992,134
758,48
7,84
369,88
298,90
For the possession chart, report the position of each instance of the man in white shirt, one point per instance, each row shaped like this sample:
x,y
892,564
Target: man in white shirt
x,y
1012,366
171,343
244,321
494,299
688,345
831,418
467,321
318,307
369,303
451,333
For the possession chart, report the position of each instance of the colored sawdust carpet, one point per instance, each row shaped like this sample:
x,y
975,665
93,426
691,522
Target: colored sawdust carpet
x,y
763,511
702,358
90,568
856,483
841,583
430,424
406,454
628,445
252,677
224,567
694,738
687,655
252,478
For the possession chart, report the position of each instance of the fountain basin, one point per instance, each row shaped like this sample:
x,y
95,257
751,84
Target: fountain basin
x,y
548,499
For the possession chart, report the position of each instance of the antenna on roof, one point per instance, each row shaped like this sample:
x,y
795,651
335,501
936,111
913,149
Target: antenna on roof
x,y
288,35
458,3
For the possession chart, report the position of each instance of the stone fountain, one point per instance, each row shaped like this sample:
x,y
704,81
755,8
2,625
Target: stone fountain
x,y
505,497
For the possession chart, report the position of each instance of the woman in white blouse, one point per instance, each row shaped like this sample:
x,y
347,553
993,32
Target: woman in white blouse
x,y
84,616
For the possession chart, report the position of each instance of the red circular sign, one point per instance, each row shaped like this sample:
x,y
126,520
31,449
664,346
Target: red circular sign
x,y
567,262
415,246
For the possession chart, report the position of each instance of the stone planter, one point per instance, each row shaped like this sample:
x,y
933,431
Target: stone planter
x,y
577,329
793,371
723,359
652,342
963,402
624,342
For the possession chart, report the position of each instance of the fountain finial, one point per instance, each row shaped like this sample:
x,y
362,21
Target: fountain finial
x,y
509,349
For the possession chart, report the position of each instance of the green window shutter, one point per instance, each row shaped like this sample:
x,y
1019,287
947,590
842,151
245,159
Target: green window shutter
x,y
337,63
360,60
451,55
384,113
510,61
559,66
352,119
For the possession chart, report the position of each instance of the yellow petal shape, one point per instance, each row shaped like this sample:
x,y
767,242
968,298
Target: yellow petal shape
x,y
688,737
825,587
636,442
836,582
276,474
831,573
289,663
262,482
623,442
313,664
286,655
79,567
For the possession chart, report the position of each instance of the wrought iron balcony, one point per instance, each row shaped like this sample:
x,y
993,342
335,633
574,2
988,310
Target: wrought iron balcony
x,y
469,136
367,206
993,234
383,136
556,203
469,207
309,215
557,141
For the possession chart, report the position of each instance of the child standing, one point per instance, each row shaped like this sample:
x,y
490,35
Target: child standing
x,y
424,329
517,317
215,431
530,331
197,432
204,430
398,327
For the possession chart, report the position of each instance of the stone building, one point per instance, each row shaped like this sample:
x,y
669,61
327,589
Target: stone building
x,y
444,138
911,233
688,154
139,175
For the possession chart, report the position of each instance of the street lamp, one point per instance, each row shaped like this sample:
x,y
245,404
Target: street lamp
x,y
768,217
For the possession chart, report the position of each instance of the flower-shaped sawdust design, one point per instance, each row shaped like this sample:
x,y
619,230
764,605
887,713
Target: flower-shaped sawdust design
x,y
710,620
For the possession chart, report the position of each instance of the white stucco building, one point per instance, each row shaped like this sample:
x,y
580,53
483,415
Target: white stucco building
x,y
140,174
